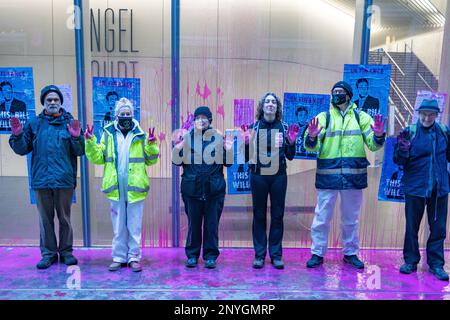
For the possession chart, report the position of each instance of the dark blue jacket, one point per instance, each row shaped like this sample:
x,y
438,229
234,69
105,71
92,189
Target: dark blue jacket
x,y
425,164
53,151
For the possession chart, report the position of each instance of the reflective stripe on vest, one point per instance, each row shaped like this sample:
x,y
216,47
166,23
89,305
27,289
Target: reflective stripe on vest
x,y
341,171
137,189
111,189
343,133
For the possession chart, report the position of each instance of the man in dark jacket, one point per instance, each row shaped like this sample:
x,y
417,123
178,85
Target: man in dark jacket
x,y
423,151
54,140
201,153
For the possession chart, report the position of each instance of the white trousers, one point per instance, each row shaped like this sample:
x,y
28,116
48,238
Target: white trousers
x,y
127,227
351,201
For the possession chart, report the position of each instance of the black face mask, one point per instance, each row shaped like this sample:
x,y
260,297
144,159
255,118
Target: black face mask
x,y
338,99
126,122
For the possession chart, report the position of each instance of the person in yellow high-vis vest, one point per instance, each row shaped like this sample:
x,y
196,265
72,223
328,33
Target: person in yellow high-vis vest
x,y
340,136
124,150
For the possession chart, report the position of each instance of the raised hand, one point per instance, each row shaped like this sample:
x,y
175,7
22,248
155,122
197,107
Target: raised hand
x,y
378,126
245,133
187,125
313,128
74,128
151,135
292,133
403,141
16,126
89,132
228,141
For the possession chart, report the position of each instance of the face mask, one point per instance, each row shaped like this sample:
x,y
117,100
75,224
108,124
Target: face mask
x,y
126,122
338,99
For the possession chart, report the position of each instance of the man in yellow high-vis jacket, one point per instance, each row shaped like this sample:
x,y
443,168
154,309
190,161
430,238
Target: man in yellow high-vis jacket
x,y
124,150
340,136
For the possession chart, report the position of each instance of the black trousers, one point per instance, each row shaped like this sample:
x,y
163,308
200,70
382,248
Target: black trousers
x,y
262,187
208,213
48,201
437,221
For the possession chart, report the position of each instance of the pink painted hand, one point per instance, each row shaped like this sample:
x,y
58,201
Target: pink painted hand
x,y
189,123
151,135
228,142
74,128
292,133
378,126
313,128
16,126
89,132
246,134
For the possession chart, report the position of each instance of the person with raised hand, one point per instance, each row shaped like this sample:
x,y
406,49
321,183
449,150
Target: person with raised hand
x,y
269,142
124,150
339,136
202,152
423,151
54,140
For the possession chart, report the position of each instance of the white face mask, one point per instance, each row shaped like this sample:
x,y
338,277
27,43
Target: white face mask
x,y
201,123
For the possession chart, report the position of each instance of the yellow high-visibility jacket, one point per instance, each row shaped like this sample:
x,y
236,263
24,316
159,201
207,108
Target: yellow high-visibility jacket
x,y
141,154
342,162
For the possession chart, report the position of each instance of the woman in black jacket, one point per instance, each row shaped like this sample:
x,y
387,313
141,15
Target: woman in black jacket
x,y
201,153
269,142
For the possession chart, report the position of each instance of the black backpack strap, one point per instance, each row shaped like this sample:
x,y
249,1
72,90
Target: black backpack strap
x,y
357,117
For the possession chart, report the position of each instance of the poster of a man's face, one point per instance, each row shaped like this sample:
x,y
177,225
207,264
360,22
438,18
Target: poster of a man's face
x,y
302,115
111,98
10,103
365,102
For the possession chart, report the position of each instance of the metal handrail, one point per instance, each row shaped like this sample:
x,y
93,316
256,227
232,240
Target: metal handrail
x,y
424,81
395,63
402,96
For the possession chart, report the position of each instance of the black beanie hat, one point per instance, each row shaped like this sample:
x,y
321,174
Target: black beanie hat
x,y
344,85
203,110
51,88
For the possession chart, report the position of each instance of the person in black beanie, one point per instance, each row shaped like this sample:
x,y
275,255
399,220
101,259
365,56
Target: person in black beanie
x,y
268,143
202,184
54,140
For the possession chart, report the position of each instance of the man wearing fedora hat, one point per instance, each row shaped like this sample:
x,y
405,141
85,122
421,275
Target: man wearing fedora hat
x,y
423,150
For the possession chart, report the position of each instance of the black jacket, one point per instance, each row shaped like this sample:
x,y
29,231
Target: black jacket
x,y
286,151
202,180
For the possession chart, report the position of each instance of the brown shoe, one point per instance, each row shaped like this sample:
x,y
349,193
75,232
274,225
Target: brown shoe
x,y
135,266
115,266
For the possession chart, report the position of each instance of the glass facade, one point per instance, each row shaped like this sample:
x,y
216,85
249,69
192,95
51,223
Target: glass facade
x,y
229,50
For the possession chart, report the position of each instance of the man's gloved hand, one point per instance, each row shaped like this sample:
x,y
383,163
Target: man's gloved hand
x,y
16,126
403,141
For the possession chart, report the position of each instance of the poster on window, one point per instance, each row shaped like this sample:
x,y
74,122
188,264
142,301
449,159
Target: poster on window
x,y
244,112
106,92
391,175
16,96
371,85
238,175
299,108
440,97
